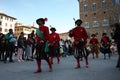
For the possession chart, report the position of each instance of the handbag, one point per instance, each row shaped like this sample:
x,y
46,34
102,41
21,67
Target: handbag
x,y
61,51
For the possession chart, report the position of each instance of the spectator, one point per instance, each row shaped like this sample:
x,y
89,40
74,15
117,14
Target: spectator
x,y
116,37
10,47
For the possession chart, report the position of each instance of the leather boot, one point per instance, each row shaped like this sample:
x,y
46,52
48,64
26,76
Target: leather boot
x,y
86,59
50,65
97,55
58,59
39,67
51,60
93,55
78,64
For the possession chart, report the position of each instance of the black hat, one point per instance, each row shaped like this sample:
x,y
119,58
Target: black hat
x,y
40,19
93,35
79,20
52,29
104,34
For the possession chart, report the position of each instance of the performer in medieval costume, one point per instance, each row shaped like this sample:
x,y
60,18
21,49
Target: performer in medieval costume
x,y
105,45
94,46
42,37
80,39
54,45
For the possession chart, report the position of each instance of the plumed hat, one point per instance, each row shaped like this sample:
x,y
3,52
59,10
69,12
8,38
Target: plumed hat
x,y
41,19
79,20
93,35
52,28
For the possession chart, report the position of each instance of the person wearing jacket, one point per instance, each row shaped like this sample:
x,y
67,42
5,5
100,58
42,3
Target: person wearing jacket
x,y
105,45
20,48
116,37
10,47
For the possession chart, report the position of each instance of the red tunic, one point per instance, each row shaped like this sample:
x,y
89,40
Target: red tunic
x,y
104,40
79,33
54,39
45,31
93,41
93,45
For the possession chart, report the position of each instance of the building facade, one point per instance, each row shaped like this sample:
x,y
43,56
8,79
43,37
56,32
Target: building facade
x,y
19,27
99,15
64,36
6,22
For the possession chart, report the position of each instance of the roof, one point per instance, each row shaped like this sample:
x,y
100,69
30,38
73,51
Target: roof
x,y
1,13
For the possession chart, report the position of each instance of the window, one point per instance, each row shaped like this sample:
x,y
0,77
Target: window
x,y
104,4
113,2
104,12
105,23
21,28
85,15
0,29
116,2
6,30
1,17
94,14
5,18
95,24
85,8
94,6
86,25
6,24
0,23
10,25
82,0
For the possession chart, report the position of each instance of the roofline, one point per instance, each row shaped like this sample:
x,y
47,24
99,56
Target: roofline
x,y
7,15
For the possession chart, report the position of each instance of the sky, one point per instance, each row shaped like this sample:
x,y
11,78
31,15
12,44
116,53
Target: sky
x,y
60,13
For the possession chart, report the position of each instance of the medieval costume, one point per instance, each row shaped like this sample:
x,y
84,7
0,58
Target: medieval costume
x,y
105,45
54,45
94,45
80,39
42,37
